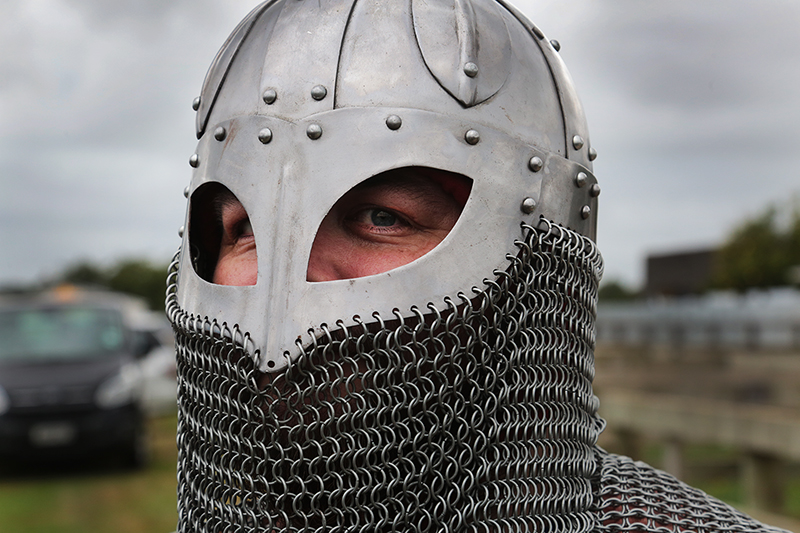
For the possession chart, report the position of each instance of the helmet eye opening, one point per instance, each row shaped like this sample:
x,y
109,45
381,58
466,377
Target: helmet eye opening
x,y
387,221
221,238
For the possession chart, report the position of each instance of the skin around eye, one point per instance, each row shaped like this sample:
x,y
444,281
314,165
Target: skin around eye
x,y
244,229
238,261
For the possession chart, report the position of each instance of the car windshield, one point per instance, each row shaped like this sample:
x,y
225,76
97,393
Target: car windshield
x,y
59,333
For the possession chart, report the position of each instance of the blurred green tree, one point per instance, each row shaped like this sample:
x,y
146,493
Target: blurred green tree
x,y
140,278
758,253
85,273
616,291
793,243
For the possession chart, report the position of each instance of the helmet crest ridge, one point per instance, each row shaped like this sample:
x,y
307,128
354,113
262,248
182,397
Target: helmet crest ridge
x,y
472,65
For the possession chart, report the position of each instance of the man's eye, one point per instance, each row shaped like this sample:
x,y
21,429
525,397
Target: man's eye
x,y
372,220
239,230
245,228
380,217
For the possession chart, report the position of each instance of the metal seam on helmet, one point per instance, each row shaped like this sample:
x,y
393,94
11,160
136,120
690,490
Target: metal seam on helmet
x,y
205,114
532,31
339,58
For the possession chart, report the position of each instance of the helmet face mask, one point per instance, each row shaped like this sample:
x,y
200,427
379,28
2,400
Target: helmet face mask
x,y
451,390
479,102
288,186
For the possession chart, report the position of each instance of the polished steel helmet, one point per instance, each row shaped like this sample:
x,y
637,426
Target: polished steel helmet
x,y
307,99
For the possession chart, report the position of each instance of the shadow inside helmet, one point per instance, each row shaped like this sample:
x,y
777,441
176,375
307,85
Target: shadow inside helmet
x,y
221,237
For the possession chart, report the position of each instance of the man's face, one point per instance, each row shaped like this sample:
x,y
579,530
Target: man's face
x,y
381,224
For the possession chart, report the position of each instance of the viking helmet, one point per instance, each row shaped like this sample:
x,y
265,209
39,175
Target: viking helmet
x,y
453,392
307,99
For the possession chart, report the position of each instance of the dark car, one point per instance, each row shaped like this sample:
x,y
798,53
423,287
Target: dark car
x,y
70,380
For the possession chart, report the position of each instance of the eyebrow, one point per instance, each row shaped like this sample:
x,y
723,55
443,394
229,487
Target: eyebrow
x,y
416,184
224,198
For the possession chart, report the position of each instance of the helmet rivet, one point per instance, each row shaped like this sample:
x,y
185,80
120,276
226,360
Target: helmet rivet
x,y
269,96
556,45
220,133
186,192
319,92
180,232
536,164
194,161
472,137
528,205
592,154
265,136
314,131
577,142
580,179
393,122
585,212
471,69
196,103
594,191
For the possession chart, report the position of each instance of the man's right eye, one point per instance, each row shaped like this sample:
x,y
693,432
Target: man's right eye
x,y
369,221
219,230
235,221
383,218
245,229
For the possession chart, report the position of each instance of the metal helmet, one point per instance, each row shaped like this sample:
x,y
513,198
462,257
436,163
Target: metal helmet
x,y
304,95
451,393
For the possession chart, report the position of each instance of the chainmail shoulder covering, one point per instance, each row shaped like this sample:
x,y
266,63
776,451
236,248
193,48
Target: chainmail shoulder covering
x,y
635,497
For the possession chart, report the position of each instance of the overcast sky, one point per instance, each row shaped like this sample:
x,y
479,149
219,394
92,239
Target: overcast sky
x,y
693,106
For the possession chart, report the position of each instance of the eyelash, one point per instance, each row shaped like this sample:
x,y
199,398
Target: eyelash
x,y
361,214
240,229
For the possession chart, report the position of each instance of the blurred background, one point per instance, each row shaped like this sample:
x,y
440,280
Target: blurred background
x,y
693,108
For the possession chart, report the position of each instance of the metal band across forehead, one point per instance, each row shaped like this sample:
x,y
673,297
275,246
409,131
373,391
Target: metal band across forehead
x,y
288,185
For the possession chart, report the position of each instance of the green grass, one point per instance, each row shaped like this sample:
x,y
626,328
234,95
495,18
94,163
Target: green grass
x,y
97,496
104,497
793,496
